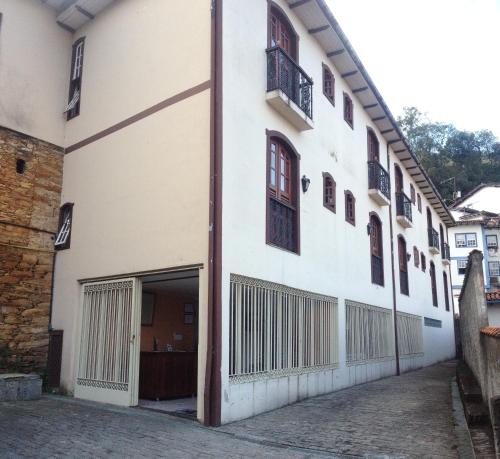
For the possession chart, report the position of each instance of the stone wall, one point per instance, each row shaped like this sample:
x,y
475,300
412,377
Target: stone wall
x,y
29,208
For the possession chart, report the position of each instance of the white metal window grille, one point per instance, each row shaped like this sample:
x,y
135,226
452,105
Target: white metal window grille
x,y
276,330
471,239
63,234
460,240
462,266
492,241
78,63
369,332
410,334
105,341
74,100
494,268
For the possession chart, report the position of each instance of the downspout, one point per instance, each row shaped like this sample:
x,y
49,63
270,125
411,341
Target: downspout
x,y
394,307
52,289
212,392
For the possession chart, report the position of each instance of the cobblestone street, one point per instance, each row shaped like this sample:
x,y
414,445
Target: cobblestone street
x,y
410,416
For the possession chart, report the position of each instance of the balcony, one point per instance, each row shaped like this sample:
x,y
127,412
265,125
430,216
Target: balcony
x,y
289,89
403,210
445,253
433,240
379,184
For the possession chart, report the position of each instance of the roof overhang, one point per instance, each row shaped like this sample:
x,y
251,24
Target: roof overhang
x,y
73,14
319,20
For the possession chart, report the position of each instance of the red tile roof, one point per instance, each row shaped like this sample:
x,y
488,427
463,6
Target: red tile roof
x,y
493,296
491,331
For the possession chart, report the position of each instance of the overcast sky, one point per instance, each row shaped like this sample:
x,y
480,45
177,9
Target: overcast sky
x,y
442,56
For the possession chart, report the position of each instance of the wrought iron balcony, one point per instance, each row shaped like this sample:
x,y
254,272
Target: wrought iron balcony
x,y
433,240
445,253
289,88
379,184
403,210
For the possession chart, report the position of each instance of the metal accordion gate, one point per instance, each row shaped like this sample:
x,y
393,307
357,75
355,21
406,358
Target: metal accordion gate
x,y
108,358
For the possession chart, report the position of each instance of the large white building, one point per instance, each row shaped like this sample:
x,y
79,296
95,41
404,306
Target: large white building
x,y
477,216
241,216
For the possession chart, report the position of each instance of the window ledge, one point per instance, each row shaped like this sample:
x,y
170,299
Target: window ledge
x,y
289,109
380,198
404,221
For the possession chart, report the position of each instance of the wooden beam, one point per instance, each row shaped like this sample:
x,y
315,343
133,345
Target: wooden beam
x,y
379,118
387,132
366,107
298,3
337,52
364,88
84,12
319,29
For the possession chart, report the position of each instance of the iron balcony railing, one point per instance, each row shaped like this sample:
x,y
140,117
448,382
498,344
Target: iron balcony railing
x,y
445,252
284,74
403,206
378,179
433,238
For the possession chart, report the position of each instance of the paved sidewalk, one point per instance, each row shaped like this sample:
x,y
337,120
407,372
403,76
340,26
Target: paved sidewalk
x,y
408,416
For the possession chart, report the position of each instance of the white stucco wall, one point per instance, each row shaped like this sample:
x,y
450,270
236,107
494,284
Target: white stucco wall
x,y
335,256
494,315
35,57
487,198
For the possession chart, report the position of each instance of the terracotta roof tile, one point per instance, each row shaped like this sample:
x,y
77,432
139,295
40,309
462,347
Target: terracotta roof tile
x,y
491,331
493,296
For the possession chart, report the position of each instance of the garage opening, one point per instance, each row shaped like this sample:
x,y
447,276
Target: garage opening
x,y
169,343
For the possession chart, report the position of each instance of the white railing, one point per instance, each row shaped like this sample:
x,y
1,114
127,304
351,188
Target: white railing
x,y
410,335
276,330
369,333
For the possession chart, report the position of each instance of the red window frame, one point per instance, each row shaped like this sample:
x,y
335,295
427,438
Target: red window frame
x,y
403,266
328,84
376,249
432,271
348,110
373,146
329,192
350,208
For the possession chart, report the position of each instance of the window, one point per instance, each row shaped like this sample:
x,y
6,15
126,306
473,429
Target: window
x,y
282,33
412,193
491,241
494,268
350,208
282,193
419,202
410,334
416,257
403,266
465,240
63,237
462,266
75,85
348,110
373,146
398,178
20,166
329,192
328,84
432,271
423,262
376,250
445,286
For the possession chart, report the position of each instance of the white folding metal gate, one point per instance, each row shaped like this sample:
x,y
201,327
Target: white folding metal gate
x,y
108,357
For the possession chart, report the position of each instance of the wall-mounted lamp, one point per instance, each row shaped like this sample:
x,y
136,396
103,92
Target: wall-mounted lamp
x,y
369,229
305,183
408,256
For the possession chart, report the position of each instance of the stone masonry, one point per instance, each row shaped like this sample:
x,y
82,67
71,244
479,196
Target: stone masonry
x,y
29,208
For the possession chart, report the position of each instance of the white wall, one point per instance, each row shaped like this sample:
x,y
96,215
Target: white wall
x,y
335,257
35,56
494,315
487,198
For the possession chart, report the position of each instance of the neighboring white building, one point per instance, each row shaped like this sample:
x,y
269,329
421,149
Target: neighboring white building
x,y
269,217
477,228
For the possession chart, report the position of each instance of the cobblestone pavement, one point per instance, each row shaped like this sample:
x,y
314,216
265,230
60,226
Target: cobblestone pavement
x,y
408,416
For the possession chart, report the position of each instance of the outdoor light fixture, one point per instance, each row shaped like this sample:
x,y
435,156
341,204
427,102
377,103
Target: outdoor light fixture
x,y
305,183
369,229
408,256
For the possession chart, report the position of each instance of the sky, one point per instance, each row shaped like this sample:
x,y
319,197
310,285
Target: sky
x,y
441,56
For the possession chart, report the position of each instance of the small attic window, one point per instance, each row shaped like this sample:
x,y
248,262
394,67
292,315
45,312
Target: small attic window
x,y
20,166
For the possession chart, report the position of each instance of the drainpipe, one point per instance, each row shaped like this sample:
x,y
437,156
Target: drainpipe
x,y
393,272
52,289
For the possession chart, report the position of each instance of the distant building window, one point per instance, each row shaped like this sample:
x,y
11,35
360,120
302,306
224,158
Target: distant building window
x,y
329,192
63,237
419,203
462,266
20,166
348,110
350,208
491,241
494,268
416,257
412,193
423,262
75,84
465,240
328,84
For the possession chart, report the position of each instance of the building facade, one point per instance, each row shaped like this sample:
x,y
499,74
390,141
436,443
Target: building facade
x,y
239,204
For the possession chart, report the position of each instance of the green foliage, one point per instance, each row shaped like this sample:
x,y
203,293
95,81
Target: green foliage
x,y
455,160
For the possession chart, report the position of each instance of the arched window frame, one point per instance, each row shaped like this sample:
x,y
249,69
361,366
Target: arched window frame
x,y
432,272
376,249
446,293
373,145
275,11
350,208
403,266
398,177
290,200
416,256
329,192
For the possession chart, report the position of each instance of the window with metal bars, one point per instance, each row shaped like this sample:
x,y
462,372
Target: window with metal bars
x,y
494,268
410,334
63,236
278,330
368,332
462,266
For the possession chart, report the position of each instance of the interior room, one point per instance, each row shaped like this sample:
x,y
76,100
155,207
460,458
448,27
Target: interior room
x,y
169,343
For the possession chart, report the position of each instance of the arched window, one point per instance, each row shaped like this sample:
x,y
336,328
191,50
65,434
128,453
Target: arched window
x,y
350,208
403,266
445,286
376,250
423,262
373,146
282,193
281,32
416,257
329,192
442,241
398,177
432,271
